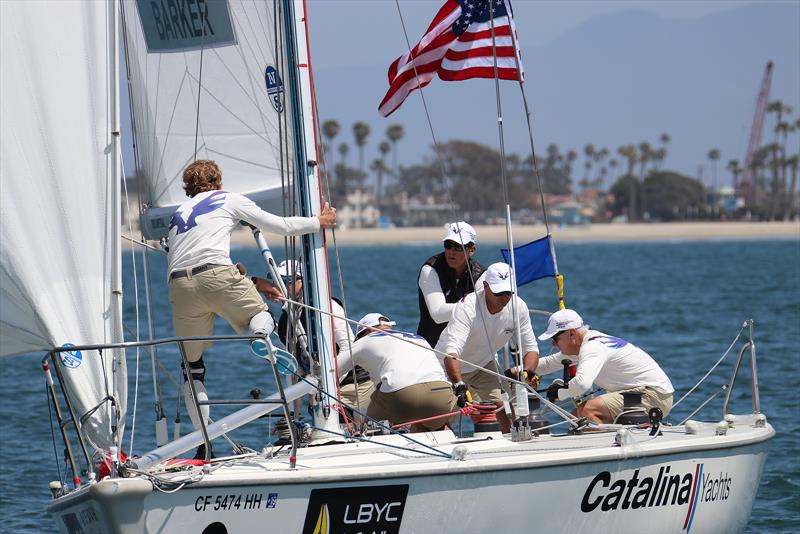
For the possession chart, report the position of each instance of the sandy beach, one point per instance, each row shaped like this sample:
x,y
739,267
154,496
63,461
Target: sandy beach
x,y
596,232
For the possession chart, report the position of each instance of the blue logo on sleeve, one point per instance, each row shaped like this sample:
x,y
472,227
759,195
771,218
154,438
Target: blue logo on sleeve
x,y
71,359
207,205
611,341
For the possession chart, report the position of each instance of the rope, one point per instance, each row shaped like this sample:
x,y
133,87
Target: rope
x,y
136,313
712,367
466,410
53,432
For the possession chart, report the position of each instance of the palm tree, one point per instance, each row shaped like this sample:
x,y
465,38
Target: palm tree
x,y
360,133
588,151
645,156
384,149
612,164
344,148
735,170
629,152
793,163
330,129
713,155
395,133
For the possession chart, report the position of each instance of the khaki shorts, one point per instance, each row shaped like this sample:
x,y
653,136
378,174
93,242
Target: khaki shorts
x,y
483,386
650,399
197,300
413,403
363,394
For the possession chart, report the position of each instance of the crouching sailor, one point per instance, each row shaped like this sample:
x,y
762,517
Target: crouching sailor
x,y
204,283
410,382
610,362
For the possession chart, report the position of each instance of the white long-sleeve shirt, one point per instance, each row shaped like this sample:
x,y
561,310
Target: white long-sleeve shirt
x,y
610,362
200,230
466,334
392,362
431,287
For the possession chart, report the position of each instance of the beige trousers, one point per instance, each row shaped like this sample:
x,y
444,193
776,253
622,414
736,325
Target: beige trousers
x,y
411,403
197,300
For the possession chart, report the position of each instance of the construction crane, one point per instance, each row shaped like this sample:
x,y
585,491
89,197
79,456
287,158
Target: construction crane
x,y
748,186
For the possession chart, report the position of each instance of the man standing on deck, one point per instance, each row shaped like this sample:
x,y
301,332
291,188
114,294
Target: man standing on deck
x,y
445,278
204,283
483,322
355,389
610,362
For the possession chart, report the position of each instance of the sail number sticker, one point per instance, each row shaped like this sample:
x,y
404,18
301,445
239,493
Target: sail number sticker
x,y
274,87
235,501
356,509
71,358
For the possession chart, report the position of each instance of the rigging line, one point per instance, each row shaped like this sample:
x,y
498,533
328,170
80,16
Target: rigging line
x,y
712,367
504,181
703,405
141,243
439,159
325,176
555,408
53,434
199,86
136,313
436,452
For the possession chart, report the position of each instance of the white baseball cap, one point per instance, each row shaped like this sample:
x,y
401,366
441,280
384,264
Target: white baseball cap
x,y
498,276
461,233
560,321
373,319
288,268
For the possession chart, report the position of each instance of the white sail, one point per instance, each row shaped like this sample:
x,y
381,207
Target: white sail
x,y
199,79
59,207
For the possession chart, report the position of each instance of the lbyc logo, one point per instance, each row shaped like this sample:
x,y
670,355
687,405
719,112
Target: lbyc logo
x,y
376,509
71,358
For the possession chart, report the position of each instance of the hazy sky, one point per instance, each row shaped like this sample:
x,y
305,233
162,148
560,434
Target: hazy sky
x,y
709,59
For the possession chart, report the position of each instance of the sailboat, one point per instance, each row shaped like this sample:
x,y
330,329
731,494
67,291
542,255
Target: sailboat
x,y
233,80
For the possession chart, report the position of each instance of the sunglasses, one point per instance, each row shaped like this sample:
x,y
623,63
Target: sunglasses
x,y
555,337
503,293
452,245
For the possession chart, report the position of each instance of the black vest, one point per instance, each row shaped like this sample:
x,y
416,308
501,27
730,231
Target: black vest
x,y
283,326
453,288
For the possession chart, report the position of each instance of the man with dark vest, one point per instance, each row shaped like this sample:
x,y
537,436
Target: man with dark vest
x,y
445,278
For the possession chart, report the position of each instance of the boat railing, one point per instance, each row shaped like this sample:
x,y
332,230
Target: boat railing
x,y
751,347
78,420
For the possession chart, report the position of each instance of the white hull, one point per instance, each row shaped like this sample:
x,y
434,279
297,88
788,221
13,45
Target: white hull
x,y
673,483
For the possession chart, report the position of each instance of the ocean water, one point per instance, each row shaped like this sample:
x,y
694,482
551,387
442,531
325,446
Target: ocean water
x,y
683,302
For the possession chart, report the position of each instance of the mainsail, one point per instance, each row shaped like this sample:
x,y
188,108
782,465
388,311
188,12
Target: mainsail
x,y
207,83
59,207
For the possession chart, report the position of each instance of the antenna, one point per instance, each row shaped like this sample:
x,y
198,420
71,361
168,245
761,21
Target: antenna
x,y
748,184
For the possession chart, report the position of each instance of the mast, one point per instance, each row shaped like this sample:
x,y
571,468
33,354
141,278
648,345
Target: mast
x,y
309,198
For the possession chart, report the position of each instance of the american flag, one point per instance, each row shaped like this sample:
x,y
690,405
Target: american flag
x,y
457,46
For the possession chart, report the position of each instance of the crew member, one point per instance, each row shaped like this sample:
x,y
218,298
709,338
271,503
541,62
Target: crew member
x,y
410,382
612,363
355,390
445,278
203,282
482,323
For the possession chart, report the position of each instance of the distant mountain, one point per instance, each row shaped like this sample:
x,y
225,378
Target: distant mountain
x,y
624,77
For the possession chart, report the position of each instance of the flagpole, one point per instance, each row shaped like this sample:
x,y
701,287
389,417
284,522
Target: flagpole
x,y
558,276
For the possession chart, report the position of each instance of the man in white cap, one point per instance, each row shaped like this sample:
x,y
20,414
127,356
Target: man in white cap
x,y
410,382
483,322
355,389
445,278
612,363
